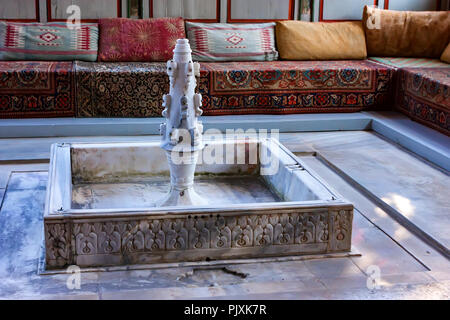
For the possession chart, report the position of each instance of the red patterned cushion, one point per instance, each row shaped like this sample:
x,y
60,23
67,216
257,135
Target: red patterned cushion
x,y
143,40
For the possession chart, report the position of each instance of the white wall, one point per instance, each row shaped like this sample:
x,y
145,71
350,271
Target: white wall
x,y
190,9
352,9
90,9
207,9
17,9
260,9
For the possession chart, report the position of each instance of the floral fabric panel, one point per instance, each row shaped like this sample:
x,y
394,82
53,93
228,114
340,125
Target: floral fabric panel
x,y
143,40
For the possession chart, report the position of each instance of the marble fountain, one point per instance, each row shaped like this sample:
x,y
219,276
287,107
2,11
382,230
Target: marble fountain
x,y
114,204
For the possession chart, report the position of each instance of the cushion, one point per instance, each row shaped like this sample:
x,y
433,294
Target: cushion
x,y
286,87
446,54
120,89
299,40
123,39
411,62
232,42
424,95
48,41
392,33
36,89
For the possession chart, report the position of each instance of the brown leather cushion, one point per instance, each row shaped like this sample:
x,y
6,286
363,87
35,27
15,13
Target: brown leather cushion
x,y
392,33
299,40
446,54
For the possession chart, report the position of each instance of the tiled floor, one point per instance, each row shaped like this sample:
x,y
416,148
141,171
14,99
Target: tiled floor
x,y
408,267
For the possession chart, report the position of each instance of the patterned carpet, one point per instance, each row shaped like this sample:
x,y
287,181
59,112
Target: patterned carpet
x,y
36,89
122,89
282,87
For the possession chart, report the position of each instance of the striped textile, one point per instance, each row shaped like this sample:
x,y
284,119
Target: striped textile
x,y
411,62
48,41
232,42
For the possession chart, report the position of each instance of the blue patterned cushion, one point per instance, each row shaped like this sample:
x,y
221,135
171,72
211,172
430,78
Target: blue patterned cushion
x,y
48,41
232,42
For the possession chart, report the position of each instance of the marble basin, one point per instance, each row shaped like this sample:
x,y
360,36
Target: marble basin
x,y
101,206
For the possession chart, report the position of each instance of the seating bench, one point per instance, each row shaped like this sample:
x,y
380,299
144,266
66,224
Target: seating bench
x,y
135,89
422,90
30,89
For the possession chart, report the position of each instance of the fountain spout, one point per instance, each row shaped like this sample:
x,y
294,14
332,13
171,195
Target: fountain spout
x,y
181,134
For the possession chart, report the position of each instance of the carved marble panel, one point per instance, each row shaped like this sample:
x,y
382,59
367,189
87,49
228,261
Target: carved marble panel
x,y
269,234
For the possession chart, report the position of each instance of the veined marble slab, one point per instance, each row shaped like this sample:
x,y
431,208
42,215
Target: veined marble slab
x,y
398,179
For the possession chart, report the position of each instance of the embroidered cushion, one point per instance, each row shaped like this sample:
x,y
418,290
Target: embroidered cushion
x,y
143,40
232,42
48,41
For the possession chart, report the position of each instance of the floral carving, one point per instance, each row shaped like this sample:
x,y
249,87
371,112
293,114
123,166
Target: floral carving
x,y
263,231
283,229
57,244
86,238
220,234
341,229
133,237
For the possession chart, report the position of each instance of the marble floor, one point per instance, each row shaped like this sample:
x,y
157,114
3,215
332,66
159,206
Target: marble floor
x,y
400,230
